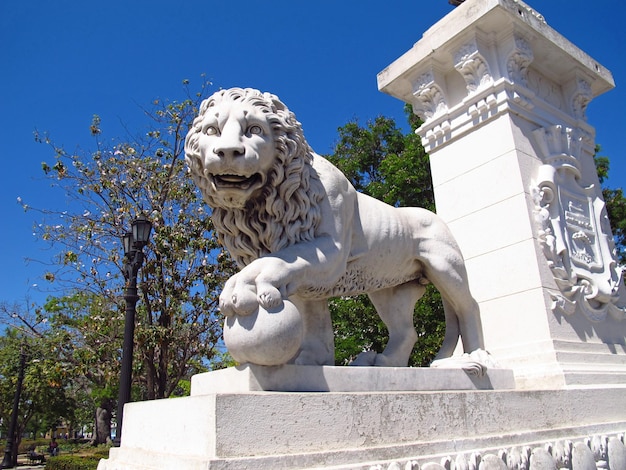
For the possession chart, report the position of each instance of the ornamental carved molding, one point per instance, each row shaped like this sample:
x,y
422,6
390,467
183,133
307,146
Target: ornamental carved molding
x,y
580,96
428,97
518,61
546,89
574,231
471,64
592,452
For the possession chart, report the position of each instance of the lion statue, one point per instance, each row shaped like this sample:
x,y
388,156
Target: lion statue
x,y
300,231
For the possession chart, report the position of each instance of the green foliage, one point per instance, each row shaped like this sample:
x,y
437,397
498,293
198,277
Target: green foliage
x,y
39,444
45,398
616,210
78,457
93,328
382,161
72,462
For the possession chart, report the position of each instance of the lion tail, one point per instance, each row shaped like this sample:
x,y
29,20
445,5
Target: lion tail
x,y
453,332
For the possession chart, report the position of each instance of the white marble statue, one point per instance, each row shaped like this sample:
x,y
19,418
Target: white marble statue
x,y
302,233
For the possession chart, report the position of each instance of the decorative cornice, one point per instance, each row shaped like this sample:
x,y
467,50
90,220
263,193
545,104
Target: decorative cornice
x,y
523,8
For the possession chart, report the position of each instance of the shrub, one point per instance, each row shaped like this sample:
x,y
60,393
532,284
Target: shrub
x,y
39,443
72,462
101,452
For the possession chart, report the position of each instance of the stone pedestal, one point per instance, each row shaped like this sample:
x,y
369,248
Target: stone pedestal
x,y
503,100
231,422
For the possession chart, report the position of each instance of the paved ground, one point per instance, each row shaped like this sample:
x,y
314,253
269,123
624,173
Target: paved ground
x,y
22,464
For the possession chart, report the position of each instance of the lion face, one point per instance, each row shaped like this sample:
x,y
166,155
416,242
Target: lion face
x,y
236,149
247,153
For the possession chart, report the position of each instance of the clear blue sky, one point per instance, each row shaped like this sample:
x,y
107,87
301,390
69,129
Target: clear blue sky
x,y
63,61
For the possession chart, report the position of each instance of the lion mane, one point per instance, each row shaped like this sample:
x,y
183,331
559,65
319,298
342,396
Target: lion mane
x,y
286,211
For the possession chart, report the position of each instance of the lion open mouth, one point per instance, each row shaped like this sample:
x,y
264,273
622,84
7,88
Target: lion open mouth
x,y
236,181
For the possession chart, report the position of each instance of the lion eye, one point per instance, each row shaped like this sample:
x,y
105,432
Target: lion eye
x,y
211,130
256,130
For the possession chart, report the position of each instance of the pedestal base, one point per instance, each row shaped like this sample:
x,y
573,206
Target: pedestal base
x,y
359,429
291,378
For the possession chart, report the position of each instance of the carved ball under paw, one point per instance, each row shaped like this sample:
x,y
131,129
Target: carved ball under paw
x,y
265,337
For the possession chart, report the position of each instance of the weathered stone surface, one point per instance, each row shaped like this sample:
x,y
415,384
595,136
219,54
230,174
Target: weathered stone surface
x,y
313,430
541,459
517,458
616,454
492,462
250,378
433,466
562,453
582,457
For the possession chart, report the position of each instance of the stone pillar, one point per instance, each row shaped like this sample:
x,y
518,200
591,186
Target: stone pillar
x,y
503,99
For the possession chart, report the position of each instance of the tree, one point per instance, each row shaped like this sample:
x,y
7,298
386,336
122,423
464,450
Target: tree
x,y
615,206
93,350
44,399
177,329
384,162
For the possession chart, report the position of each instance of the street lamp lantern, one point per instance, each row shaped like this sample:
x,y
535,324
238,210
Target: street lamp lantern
x,y
133,243
141,231
127,241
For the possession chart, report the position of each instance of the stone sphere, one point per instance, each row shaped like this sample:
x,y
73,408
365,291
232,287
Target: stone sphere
x,y
267,338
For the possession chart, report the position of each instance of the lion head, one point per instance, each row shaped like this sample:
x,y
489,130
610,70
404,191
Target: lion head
x,y
247,153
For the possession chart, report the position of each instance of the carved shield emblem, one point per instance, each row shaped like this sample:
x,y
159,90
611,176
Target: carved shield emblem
x,y
574,233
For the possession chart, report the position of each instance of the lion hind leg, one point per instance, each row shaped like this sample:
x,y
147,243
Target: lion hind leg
x,y
395,305
462,319
448,275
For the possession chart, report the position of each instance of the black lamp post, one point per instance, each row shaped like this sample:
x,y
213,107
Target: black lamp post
x,y
10,454
133,259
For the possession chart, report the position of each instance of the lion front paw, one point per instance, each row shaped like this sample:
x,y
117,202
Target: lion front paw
x,y
241,302
268,296
243,294
238,298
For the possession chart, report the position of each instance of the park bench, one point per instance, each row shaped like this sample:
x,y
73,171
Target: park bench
x,y
35,457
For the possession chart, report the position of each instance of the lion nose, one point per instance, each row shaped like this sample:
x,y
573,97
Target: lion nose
x,y
230,144
230,151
